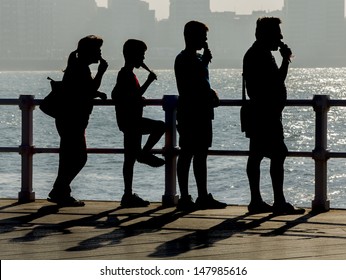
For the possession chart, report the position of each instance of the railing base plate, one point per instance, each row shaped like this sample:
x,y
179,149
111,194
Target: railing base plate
x,y
25,197
320,206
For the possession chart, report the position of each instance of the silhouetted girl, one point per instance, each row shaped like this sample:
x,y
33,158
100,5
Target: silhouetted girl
x,y
79,90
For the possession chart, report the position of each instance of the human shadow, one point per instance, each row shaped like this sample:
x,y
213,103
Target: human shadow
x,y
9,206
94,221
151,225
205,238
291,224
45,230
10,224
200,239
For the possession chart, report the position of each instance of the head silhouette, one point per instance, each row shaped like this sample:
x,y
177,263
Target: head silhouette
x,y
134,51
88,51
89,48
268,32
195,34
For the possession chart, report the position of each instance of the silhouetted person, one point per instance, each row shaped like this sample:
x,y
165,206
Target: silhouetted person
x,y
265,84
128,97
79,90
195,113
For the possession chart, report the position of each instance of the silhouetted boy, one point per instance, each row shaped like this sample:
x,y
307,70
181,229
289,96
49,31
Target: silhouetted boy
x,y
127,95
265,84
194,115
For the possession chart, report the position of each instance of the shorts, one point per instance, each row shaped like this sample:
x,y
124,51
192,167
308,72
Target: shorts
x,y
268,147
195,137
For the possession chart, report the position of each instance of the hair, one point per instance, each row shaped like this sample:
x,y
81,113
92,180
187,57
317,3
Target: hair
x,y
132,47
193,29
265,27
85,45
88,43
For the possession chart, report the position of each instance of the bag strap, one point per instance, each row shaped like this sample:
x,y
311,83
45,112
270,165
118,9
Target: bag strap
x,y
243,88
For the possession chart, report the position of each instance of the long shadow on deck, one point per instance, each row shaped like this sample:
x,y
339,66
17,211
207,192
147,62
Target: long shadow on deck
x,y
201,239
11,224
151,225
126,224
42,231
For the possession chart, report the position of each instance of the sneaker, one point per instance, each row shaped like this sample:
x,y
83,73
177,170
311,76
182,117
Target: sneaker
x,y
287,209
186,204
66,202
259,207
151,160
132,201
209,202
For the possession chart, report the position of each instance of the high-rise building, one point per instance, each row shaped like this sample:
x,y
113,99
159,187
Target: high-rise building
x,y
130,19
47,30
24,28
42,29
182,10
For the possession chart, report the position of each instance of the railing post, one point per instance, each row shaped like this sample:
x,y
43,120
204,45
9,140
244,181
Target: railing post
x,y
321,154
26,104
170,197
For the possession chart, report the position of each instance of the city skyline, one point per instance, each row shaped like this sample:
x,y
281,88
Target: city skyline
x,y
161,7
41,34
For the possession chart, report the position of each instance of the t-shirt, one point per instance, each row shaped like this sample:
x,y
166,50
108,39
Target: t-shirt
x,y
195,94
266,90
128,100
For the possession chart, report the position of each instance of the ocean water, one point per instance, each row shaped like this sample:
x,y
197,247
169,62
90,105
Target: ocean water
x,y
101,179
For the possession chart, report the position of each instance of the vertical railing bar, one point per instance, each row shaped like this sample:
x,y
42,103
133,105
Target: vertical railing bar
x,y
320,153
170,196
26,104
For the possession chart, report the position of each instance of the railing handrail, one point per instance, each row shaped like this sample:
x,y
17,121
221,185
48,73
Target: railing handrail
x,y
320,104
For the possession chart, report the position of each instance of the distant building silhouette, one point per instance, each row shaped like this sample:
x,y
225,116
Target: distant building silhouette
x,y
129,19
41,32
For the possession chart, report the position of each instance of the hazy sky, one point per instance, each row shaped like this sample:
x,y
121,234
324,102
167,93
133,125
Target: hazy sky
x,y
239,6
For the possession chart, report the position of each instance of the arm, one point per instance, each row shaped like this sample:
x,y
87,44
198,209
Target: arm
x,y
150,79
100,72
286,54
98,78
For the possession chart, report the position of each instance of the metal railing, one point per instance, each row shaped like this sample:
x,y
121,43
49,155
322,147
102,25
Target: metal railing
x,y
320,154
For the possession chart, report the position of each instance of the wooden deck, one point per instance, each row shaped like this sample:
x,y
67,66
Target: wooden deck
x,y
102,230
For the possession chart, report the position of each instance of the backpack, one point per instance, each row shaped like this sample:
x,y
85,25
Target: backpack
x,y
245,112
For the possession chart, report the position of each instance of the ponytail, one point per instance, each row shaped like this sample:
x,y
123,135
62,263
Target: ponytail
x,y
72,59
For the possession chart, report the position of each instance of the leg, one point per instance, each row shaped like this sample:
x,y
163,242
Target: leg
x,y
183,168
200,172
253,172
277,176
257,205
129,162
280,207
132,147
72,158
204,200
155,129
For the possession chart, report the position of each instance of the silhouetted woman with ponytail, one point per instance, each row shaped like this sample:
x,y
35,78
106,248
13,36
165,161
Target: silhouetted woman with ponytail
x,y
79,90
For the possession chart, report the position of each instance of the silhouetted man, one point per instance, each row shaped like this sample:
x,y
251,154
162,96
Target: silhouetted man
x,y
194,115
265,84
